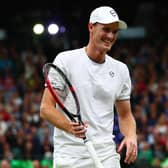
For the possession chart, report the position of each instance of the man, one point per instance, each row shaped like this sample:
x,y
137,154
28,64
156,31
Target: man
x,y
102,83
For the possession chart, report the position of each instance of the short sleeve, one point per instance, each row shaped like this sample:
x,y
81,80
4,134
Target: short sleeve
x,y
125,89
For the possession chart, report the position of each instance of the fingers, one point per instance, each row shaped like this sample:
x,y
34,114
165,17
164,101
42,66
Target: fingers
x,y
131,150
131,153
78,130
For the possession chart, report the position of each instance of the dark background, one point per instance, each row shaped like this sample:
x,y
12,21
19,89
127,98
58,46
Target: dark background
x,y
17,18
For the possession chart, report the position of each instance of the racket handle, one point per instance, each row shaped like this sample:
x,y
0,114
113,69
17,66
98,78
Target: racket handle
x,y
93,154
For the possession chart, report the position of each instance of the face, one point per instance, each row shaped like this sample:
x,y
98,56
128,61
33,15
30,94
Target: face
x,y
103,36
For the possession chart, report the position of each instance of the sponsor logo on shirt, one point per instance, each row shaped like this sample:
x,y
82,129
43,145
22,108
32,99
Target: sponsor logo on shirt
x,y
111,73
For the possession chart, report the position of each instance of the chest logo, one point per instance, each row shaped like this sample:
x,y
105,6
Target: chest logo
x,y
111,73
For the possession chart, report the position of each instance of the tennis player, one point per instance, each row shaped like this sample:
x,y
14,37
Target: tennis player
x,y
101,83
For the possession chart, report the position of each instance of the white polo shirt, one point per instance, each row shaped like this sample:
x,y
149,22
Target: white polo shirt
x,y
98,86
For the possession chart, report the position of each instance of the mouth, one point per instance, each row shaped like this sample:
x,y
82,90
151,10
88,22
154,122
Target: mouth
x,y
107,43
107,40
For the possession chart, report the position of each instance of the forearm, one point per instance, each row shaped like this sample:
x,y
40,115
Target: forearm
x,y
53,116
127,125
50,113
57,119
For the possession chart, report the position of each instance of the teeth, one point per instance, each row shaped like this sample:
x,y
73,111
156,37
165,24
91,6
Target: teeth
x,y
107,41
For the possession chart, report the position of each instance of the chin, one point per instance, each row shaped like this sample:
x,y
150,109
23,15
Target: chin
x,y
107,48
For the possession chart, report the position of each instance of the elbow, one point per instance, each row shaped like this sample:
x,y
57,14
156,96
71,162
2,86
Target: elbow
x,y
42,112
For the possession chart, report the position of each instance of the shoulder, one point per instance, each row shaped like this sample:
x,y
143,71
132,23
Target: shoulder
x,y
70,53
68,58
119,65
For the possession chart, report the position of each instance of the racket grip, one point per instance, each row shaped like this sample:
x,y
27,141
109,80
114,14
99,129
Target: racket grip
x,y
93,154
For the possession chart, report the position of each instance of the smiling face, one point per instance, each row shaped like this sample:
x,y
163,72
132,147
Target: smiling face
x,y
103,36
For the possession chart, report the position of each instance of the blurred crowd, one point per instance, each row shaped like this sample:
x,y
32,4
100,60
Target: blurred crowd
x,y
148,64
24,136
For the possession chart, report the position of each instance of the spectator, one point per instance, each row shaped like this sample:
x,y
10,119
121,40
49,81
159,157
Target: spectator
x,y
5,164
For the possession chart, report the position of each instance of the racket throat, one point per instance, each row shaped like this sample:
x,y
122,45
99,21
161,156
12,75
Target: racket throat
x,y
85,139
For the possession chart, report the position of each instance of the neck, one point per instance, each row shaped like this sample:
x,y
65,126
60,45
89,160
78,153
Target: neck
x,y
95,54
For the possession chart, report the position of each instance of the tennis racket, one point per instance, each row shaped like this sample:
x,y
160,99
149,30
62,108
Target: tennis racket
x,y
65,96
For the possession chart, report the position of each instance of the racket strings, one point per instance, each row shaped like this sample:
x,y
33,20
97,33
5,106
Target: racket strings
x,y
60,86
58,83
70,104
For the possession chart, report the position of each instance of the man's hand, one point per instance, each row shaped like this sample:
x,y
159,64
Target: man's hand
x,y
78,130
131,149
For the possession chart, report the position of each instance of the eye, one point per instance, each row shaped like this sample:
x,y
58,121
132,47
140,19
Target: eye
x,y
115,31
109,30
106,29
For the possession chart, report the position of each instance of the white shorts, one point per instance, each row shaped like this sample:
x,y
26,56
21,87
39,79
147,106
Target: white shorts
x,y
109,162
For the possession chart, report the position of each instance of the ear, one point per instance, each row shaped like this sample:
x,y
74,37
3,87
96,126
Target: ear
x,y
90,26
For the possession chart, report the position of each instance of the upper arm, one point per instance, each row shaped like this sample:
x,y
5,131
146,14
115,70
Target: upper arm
x,y
124,91
47,99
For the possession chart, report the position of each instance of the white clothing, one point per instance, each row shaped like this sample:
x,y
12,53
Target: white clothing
x,y
98,86
66,162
